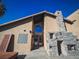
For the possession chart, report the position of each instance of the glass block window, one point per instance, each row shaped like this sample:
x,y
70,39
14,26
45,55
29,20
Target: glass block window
x,y
22,38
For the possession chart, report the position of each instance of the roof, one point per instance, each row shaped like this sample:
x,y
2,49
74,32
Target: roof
x,y
46,12
29,17
72,14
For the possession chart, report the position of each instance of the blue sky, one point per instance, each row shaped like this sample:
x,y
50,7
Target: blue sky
x,y
19,8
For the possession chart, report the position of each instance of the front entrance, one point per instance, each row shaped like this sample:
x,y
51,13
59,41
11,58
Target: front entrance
x,y
37,34
38,40
37,37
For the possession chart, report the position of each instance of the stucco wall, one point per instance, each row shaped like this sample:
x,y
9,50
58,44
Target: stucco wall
x,y
74,28
20,47
50,25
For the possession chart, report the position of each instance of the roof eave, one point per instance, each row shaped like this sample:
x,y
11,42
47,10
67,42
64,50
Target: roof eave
x,y
27,17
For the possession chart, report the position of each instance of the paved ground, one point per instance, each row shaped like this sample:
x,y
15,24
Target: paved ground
x,y
37,54
41,54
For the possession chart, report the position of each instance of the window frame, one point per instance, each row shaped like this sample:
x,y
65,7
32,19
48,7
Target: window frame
x,y
20,38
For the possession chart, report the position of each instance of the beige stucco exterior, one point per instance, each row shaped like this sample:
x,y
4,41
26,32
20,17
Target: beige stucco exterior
x,y
22,48
74,28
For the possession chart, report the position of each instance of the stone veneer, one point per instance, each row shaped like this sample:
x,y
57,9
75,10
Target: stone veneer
x,y
67,46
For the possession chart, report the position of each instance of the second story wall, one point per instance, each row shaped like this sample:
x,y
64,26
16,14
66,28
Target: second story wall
x,y
74,28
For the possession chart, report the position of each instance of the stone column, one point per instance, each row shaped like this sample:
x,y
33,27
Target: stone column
x,y
60,20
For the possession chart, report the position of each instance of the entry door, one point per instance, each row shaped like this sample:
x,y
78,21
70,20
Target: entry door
x,y
38,41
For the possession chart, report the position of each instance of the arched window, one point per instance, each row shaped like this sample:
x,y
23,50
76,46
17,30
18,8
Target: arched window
x,y
38,28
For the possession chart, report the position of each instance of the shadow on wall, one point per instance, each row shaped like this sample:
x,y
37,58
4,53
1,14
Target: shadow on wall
x,y
21,56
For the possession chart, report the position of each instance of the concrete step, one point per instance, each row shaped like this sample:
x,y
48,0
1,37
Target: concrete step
x,y
37,54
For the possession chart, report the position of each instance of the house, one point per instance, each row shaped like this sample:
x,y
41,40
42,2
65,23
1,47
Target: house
x,y
22,35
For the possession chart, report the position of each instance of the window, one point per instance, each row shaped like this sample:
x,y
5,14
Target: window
x,y
22,38
38,28
71,47
51,35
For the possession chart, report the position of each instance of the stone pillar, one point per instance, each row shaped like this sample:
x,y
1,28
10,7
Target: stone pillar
x,y
52,49
64,49
60,20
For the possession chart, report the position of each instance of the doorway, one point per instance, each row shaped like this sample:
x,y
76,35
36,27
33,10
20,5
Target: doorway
x,y
38,37
38,27
38,40
59,47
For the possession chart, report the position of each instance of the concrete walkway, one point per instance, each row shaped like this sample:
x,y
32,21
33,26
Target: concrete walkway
x,y
41,54
37,54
